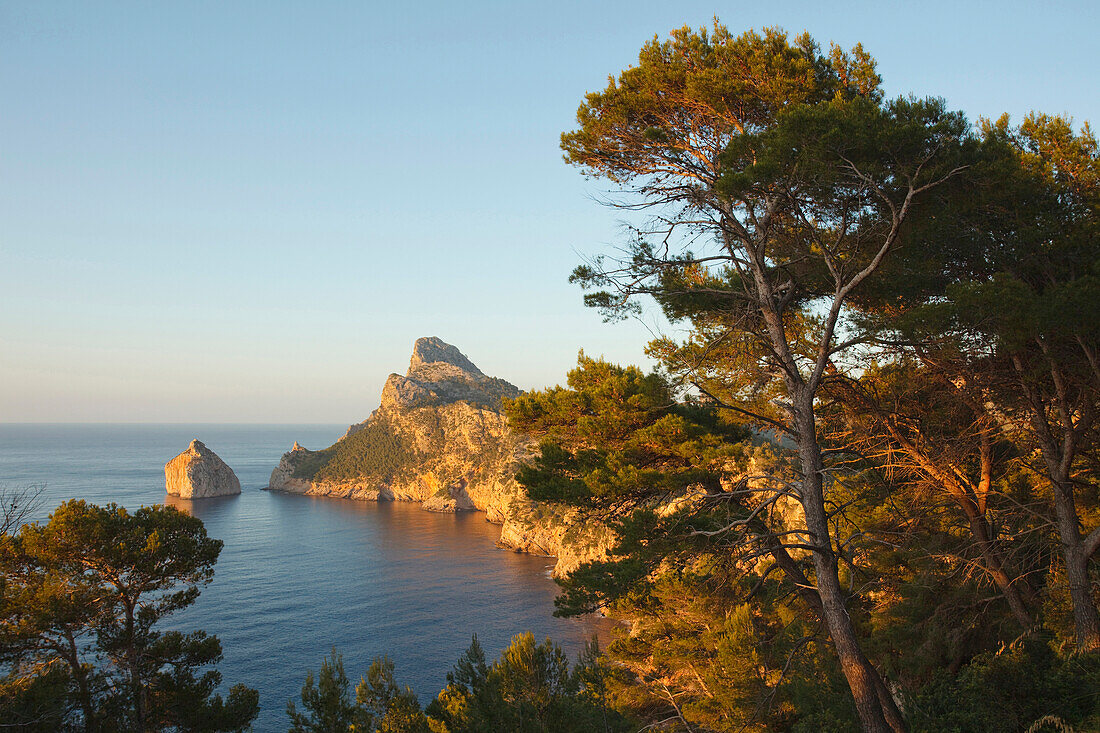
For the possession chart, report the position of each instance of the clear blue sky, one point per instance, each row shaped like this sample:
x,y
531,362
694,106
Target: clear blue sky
x,y
248,211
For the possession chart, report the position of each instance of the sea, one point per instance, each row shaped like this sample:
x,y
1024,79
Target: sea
x,y
300,576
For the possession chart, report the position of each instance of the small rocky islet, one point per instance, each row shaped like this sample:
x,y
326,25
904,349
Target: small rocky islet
x,y
198,473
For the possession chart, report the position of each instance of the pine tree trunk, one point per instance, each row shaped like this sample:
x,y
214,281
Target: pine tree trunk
x,y
876,708
1058,442
1086,619
991,560
131,653
84,696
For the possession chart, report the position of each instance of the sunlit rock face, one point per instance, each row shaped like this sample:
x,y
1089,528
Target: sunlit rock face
x,y
440,438
569,534
198,473
440,374
433,351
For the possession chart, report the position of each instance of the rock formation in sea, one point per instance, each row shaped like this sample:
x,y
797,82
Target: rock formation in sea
x,y
440,438
198,473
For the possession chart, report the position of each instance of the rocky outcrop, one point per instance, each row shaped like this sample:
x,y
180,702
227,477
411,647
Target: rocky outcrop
x,y
440,375
282,478
198,473
439,438
433,351
566,533
454,457
572,535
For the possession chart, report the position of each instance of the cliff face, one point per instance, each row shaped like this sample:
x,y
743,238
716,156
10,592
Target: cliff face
x,y
439,438
565,533
440,375
198,473
454,457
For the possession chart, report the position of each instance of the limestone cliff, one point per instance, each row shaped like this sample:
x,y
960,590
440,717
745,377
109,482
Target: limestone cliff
x,y
198,473
454,457
439,438
566,533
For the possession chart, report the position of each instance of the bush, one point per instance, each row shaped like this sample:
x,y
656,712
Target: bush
x,y
1010,691
379,704
375,452
530,688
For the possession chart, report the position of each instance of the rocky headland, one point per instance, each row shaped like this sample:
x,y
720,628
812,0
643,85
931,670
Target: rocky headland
x,y
198,473
440,438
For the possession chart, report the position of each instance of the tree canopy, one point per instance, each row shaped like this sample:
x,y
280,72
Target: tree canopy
x,y
895,297
81,603
779,181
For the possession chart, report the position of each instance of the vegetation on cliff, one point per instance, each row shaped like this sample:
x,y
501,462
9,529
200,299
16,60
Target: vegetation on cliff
x,y
438,437
376,452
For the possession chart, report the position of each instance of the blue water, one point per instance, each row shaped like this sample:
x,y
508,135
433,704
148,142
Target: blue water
x,y
299,575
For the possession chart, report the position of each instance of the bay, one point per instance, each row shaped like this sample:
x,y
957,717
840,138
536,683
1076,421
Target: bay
x,y
301,575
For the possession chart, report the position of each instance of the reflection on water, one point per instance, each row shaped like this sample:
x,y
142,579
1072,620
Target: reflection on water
x,y
298,574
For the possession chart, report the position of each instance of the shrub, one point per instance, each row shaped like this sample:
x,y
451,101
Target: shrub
x,y
1010,691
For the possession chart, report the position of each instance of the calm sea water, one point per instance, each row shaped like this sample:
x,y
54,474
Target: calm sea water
x,y
299,575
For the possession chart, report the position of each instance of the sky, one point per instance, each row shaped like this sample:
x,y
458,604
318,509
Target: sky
x,y
249,211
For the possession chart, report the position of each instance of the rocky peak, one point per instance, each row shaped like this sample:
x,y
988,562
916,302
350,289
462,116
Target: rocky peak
x,y
440,374
434,350
198,472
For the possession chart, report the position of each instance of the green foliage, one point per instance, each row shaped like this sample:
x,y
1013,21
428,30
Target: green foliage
x,y
375,452
719,644
1011,327
308,467
326,702
616,434
1009,691
642,123
385,706
85,592
731,661
529,689
380,706
36,704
